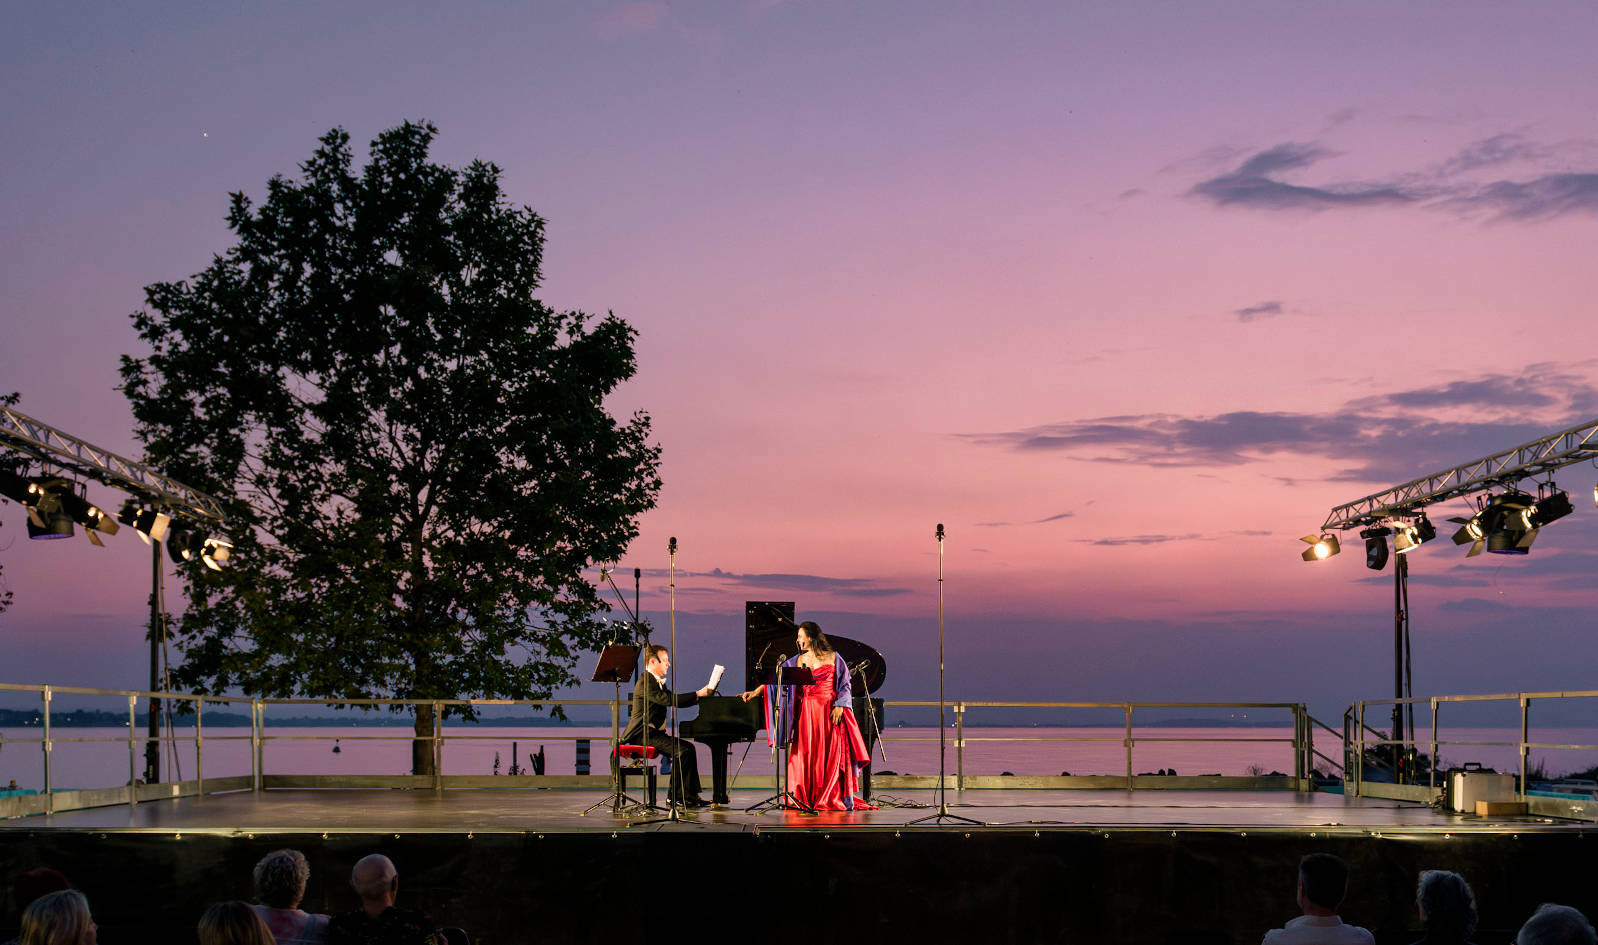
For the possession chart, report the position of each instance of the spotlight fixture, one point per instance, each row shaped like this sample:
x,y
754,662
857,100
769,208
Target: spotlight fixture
x,y
1551,507
182,544
1511,532
90,516
1376,546
48,518
1320,547
150,524
1411,536
215,552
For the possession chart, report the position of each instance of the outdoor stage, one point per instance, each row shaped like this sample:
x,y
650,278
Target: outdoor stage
x,y
1064,865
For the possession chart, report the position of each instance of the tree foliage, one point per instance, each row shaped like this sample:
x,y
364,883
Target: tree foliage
x,y
414,450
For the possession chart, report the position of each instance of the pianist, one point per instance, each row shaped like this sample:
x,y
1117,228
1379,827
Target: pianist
x,y
647,725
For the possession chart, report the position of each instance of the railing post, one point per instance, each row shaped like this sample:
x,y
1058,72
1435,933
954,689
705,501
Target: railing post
x,y
1127,741
49,796
257,758
959,746
199,747
1433,766
1525,705
133,764
438,747
1359,747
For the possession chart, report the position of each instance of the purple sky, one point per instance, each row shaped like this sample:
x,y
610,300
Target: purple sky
x,y
1126,294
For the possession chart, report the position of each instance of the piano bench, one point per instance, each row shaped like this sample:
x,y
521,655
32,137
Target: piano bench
x,y
634,759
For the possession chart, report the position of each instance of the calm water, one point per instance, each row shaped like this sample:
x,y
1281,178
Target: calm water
x,y
1029,750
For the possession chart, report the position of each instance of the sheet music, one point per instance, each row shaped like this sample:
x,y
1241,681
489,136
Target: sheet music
x,y
715,675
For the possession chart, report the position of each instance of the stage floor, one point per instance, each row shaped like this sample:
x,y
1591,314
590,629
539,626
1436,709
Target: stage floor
x,y
352,811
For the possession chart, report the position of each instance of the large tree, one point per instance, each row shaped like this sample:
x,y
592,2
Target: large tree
x,y
415,452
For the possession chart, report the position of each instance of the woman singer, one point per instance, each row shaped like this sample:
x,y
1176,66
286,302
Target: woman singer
x,y
827,750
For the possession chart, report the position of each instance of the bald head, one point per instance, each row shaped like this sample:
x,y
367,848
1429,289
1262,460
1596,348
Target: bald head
x,y
375,878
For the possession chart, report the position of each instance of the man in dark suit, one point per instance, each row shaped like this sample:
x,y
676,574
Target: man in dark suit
x,y
647,724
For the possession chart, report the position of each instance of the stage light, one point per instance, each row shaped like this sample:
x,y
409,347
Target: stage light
x,y
150,524
1375,547
48,518
91,517
182,544
1552,507
1320,547
215,552
1409,537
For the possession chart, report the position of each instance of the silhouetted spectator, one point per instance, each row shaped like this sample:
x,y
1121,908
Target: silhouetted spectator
x,y
1447,908
58,918
31,885
233,923
280,880
1322,880
379,921
1556,925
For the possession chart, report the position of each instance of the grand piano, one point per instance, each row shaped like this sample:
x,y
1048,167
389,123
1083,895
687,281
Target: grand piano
x,y
724,721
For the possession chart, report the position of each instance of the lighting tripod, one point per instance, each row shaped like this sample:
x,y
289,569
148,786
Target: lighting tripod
x,y
943,801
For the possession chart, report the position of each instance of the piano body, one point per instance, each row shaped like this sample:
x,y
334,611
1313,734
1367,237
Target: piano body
x,y
769,632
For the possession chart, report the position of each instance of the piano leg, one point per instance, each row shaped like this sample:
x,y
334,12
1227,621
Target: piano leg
x,y
718,770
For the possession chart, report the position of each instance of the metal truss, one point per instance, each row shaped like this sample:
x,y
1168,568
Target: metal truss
x,y
1565,448
50,445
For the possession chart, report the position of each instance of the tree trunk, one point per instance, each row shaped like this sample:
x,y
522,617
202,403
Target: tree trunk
x,y
422,745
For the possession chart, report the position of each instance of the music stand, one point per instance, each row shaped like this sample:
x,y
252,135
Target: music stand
x,y
786,678
616,664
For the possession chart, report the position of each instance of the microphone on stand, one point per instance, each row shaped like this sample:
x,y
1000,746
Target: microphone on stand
x,y
760,661
860,667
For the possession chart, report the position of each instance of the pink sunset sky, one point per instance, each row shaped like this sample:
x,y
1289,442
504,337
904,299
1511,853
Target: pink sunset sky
x,y
1127,295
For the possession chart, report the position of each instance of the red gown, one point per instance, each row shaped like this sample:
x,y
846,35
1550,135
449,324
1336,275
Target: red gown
x,y
824,762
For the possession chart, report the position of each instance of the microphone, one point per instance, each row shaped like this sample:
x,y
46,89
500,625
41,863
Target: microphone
x,y
860,667
760,661
638,573
940,531
672,545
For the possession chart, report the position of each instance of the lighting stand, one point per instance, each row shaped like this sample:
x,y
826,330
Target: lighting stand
x,y
943,814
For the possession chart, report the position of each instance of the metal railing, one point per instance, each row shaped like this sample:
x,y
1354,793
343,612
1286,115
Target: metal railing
x,y
1129,733
1365,749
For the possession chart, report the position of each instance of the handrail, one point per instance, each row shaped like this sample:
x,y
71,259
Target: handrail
x,y
1129,732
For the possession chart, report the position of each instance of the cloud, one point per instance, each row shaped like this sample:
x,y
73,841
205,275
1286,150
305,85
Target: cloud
x,y
1255,183
852,587
630,19
1534,200
1265,309
1258,182
1390,437
1037,521
1119,540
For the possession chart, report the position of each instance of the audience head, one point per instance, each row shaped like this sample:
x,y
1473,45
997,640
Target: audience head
x,y
375,879
35,883
280,879
1447,906
1322,880
233,923
58,918
1556,925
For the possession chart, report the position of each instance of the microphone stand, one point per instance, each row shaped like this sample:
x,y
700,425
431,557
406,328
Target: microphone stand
x,y
943,799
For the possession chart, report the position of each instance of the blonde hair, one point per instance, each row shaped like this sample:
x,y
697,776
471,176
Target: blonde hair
x,y
233,923
58,918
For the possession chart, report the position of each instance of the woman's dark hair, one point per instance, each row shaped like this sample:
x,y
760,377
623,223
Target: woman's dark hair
x,y
1449,904
818,640
233,923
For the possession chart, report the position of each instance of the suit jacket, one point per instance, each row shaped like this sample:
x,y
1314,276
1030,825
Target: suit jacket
x,y
650,702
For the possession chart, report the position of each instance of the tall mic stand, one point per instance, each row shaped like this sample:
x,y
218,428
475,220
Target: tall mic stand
x,y
943,801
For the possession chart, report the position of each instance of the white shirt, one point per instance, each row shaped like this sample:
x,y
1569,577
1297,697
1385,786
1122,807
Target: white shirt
x,y
1318,930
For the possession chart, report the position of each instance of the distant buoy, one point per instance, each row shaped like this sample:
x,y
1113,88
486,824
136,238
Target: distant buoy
x,y
336,749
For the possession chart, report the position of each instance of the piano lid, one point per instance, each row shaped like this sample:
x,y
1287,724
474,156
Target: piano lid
x,y
769,632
